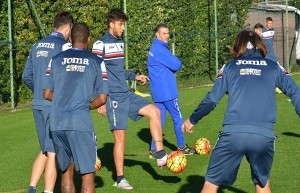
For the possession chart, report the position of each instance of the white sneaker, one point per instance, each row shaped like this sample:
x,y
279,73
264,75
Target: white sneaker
x,y
162,161
124,184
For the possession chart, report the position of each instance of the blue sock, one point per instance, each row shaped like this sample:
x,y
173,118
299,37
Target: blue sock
x,y
119,178
31,189
159,154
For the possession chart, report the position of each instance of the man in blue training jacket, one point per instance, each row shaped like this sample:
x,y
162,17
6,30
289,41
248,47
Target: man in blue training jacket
x,y
75,85
248,130
122,102
34,76
162,66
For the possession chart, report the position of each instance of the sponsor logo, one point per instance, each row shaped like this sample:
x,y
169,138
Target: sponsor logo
x,y
250,71
42,53
75,68
251,62
45,45
83,61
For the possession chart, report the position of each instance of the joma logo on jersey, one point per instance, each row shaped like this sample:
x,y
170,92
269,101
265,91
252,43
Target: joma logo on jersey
x,y
45,45
252,62
84,61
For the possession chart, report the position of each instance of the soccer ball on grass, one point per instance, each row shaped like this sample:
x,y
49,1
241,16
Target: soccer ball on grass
x,y
176,162
202,146
97,164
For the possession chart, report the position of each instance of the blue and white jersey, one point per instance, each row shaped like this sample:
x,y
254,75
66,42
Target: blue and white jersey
x,y
162,66
250,82
111,49
36,65
268,37
75,76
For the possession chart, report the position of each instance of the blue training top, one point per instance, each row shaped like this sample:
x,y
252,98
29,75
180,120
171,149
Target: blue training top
x,y
36,65
250,82
75,77
162,66
268,37
112,50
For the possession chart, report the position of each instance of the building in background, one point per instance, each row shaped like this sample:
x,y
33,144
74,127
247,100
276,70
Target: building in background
x,y
258,14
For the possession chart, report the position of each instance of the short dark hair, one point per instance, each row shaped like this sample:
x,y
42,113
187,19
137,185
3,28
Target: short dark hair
x,y
116,14
159,26
80,33
62,18
242,40
269,19
258,25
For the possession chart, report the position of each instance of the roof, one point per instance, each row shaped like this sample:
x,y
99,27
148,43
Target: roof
x,y
274,7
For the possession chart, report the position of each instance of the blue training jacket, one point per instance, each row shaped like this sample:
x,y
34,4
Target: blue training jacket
x,y
162,66
37,63
111,49
250,81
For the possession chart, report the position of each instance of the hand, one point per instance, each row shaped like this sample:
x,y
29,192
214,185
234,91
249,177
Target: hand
x,y
142,78
187,126
102,110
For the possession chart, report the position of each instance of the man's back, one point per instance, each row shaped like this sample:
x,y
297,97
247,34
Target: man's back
x,y
76,79
37,62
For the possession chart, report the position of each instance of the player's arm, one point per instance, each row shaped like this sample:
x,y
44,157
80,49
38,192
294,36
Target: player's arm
x,y
48,83
27,75
167,59
289,87
98,49
209,103
99,101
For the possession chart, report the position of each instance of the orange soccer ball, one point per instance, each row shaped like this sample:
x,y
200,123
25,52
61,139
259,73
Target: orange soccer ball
x,y
97,164
176,161
202,146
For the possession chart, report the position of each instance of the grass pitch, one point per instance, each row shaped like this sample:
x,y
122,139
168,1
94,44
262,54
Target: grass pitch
x,y
19,147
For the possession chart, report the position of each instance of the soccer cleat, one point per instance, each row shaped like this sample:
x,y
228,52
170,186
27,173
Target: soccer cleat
x,y
162,161
151,155
187,150
124,184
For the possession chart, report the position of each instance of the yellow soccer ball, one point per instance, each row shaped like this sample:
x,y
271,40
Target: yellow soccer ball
x,y
202,146
97,164
176,161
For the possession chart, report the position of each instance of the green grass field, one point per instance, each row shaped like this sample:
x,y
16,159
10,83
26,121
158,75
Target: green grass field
x,y
19,147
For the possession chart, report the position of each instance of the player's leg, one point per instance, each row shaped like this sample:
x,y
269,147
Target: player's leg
x,y
88,185
209,188
265,189
40,161
50,172
67,183
174,110
163,113
119,150
37,171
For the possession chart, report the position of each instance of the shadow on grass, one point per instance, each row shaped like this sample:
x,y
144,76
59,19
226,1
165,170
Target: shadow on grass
x,y
145,135
291,134
195,184
106,155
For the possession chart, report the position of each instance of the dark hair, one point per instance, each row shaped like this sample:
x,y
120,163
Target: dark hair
x,y
159,26
242,40
269,19
258,25
62,18
116,14
80,33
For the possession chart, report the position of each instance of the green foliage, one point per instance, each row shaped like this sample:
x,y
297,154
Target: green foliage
x,y
191,23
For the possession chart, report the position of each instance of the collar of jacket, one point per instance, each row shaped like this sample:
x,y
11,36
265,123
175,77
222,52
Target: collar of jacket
x,y
157,41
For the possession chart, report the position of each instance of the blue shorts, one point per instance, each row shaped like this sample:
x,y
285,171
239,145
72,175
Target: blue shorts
x,y
78,147
229,151
121,106
42,122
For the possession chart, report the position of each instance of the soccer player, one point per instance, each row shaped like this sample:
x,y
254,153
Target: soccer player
x,y
162,66
75,85
33,76
248,130
258,28
268,33
122,102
